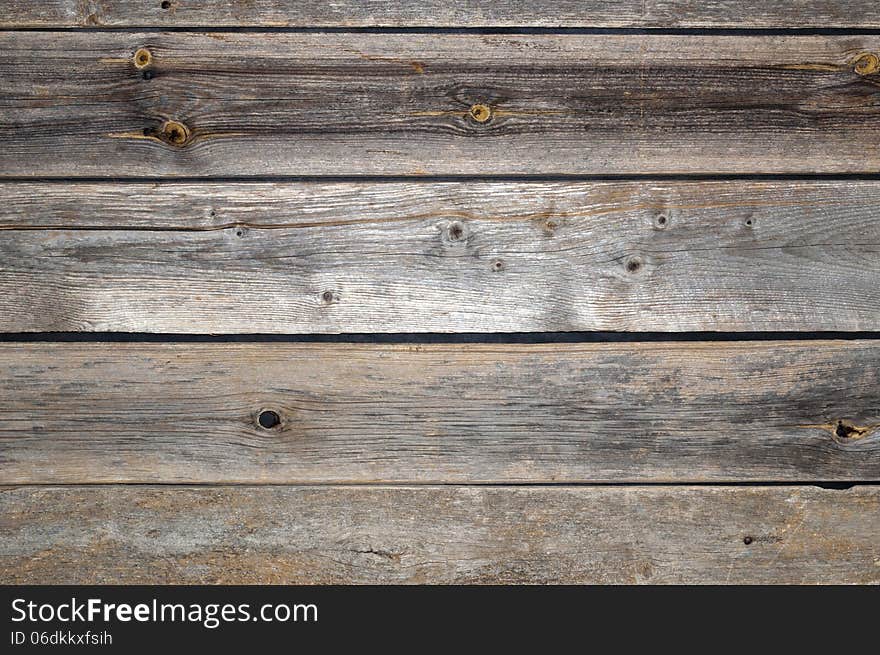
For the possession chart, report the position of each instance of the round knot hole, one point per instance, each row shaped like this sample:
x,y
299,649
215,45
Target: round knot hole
x,y
142,58
269,419
747,540
166,4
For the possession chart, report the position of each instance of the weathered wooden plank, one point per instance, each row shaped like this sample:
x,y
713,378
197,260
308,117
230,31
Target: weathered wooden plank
x,y
438,13
679,412
445,257
439,535
246,104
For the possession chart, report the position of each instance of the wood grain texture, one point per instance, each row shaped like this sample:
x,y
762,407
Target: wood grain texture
x,y
250,104
439,535
438,13
444,257
673,412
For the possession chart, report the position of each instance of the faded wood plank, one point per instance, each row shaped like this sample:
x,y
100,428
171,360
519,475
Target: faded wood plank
x,y
439,13
444,257
439,535
563,412
250,104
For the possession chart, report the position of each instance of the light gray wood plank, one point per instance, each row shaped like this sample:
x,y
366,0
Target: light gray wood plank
x,y
252,104
389,535
446,257
560,412
438,13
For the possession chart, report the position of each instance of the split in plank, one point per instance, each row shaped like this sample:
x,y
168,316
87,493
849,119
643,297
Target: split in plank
x,y
154,104
675,412
441,13
381,535
334,257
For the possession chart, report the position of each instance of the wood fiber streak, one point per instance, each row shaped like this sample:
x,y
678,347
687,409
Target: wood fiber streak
x,y
466,413
481,535
440,13
246,104
445,257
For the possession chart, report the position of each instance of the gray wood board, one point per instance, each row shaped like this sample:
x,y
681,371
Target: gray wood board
x,y
382,535
75,104
441,13
444,257
663,412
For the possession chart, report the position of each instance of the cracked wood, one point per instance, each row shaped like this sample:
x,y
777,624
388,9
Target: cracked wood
x,y
440,13
348,257
467,413
326,535
246,104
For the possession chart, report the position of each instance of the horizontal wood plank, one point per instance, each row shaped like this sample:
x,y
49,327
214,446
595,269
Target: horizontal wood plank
x,y
166,104
439,535
438,13
662,412
444,257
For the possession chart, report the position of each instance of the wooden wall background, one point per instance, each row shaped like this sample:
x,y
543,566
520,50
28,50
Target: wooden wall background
x,y
401,291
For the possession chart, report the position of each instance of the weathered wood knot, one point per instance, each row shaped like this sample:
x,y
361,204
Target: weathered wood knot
x,y
328,297
867,64
480,113
175,133
633,264
456,231
142,59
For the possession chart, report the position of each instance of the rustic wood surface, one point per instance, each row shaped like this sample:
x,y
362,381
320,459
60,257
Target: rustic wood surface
x,y
350,257
166,104
110,534
439,13
677,412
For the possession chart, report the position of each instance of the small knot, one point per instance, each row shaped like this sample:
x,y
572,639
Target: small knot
x,y
455,231
633,265
867,64
328,297
175,133
481,113
142,58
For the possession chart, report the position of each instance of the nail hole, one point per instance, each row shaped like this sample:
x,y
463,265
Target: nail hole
x,y
239,233
166,4
269,419
747,541
662,220
213,213
633,265
497,265
749,222
327,296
